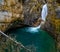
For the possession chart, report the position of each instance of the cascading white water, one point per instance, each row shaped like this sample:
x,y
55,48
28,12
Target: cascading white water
x,y
44,12
43,15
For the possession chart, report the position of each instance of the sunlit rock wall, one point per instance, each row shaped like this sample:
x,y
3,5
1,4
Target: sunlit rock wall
x,y
10,11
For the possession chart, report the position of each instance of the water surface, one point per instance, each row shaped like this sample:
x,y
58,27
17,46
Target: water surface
x,y
37,40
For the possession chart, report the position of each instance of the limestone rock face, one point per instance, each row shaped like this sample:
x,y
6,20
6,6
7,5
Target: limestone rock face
x,y
10,11
32,12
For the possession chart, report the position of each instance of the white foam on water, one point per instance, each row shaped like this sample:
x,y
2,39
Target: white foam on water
x,y
34,29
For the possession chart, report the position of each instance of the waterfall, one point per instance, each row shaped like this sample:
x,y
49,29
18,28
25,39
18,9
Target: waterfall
x,y
44,12
43,15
